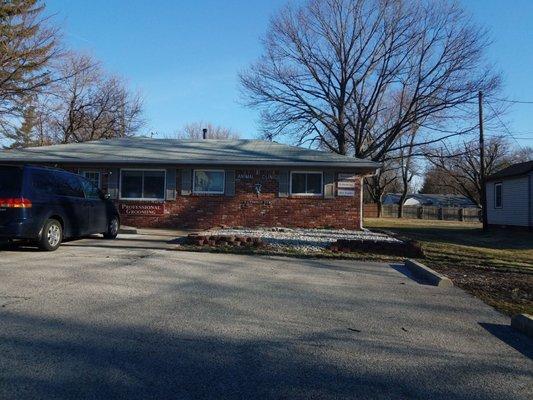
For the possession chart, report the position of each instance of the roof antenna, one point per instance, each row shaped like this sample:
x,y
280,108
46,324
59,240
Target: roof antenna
x,y
204,133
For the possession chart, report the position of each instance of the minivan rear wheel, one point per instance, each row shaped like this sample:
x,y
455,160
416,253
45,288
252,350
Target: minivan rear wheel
x,y
112,228
51,236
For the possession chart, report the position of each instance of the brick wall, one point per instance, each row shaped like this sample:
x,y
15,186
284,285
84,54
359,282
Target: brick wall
x,y
247,208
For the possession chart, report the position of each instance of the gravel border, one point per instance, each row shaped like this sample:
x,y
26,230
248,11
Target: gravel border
x,y
307,240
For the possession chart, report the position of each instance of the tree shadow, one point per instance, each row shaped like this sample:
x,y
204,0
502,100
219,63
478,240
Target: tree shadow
x,y
45,357
504,239
509,336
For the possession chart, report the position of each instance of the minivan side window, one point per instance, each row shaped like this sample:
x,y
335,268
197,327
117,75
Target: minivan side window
x,y
91,192
73,185
43,182
56,183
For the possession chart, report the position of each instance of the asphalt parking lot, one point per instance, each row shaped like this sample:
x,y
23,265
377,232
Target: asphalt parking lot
x,y
133,319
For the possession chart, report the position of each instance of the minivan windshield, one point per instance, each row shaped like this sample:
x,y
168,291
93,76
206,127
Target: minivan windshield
x,y
10,181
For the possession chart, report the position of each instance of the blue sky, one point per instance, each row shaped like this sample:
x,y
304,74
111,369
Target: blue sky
x,y
184,56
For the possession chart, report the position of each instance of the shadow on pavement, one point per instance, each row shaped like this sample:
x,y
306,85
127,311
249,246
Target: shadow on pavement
x,y
402,269
509,336
51,358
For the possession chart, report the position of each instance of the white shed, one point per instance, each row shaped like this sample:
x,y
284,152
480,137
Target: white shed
x,y
510,196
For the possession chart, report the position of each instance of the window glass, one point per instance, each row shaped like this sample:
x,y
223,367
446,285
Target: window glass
x,y
142,185
298,183
43,182
306,183
131,185
10,181
71,185
93,177
154,184
314,183
498,195
209,181
56,183
91,191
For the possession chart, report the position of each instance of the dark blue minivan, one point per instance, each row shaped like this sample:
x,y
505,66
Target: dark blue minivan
x,y
46,205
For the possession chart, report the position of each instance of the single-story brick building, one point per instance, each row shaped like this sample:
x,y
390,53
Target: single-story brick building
x,y
201,184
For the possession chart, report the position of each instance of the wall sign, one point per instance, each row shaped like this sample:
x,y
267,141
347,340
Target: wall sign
x,y
257,174
251,203
346,181
347,177
142,209
346,184
345,193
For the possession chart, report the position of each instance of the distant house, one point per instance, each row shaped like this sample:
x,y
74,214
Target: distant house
x,y
436,200
510,196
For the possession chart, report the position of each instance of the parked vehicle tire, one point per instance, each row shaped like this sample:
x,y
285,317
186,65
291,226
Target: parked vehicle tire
x,y
51,236
112,228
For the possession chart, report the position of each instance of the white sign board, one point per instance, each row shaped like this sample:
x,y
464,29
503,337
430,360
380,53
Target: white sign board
x,y
346,184
345,193
346,177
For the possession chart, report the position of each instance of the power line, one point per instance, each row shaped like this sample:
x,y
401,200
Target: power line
x,y
505,126
515,101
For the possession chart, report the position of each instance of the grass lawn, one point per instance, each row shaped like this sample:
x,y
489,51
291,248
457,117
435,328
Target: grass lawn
x,y
496,266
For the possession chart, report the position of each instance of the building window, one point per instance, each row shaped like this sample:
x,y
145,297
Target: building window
x,y
142,184
208,181
93,177
306,183
498,195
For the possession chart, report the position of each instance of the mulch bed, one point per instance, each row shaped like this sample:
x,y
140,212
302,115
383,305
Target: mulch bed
x,y
406,248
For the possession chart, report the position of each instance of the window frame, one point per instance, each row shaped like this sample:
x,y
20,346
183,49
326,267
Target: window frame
x,y
321,194
143,170
83,172
500,185
194,191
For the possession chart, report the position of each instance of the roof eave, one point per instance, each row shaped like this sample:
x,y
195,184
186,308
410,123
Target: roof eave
x,y
370,165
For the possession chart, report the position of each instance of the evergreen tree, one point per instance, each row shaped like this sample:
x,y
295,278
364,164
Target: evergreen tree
x,y
27,46
24,136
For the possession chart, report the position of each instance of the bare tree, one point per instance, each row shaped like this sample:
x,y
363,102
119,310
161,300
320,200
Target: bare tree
x,y
385,180
460,164
89,105
407,166
27,45
437,181
330,68
194,131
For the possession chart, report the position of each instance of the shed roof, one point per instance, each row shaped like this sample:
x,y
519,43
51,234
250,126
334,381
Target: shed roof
x,y
142,150
435,199
513,170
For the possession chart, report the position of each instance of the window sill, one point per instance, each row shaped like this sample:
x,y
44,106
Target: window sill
x,y
300,196
146,200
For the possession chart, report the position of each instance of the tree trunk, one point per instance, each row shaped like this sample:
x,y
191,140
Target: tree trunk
x,y
380,209
400,205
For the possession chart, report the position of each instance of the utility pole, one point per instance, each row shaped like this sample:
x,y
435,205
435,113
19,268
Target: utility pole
x,y
482,163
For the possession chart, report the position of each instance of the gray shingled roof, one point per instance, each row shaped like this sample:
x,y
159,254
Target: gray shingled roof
x,y
141,150
513,170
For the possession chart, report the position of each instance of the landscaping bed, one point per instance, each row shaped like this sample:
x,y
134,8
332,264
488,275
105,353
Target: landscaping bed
x,y
330,243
